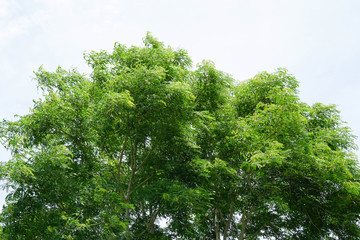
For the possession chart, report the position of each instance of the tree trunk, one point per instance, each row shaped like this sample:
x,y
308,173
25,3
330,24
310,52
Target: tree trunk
x,y
228,223
151,222
243,225
217,226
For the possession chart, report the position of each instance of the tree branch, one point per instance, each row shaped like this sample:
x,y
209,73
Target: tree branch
x,y
119,167
139,185
121,157
146,158
228,222
201,91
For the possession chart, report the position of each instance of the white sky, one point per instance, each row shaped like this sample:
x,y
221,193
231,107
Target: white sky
x,y
316,40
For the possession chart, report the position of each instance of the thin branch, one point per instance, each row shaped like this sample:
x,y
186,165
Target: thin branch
x,y
139,118
119,167
123,120
122,192
140,184
249,181
259,230
132,175
202,90
221,216
276,124
57,203
120,160
63,131
250,214
146,158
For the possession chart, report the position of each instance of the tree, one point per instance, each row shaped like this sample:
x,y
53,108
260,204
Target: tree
x,y
148,148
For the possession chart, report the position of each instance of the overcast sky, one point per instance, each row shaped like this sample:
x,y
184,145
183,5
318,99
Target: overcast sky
x,y
318,41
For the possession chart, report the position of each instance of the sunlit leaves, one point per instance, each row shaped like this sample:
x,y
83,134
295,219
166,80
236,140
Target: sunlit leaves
x,y
148,148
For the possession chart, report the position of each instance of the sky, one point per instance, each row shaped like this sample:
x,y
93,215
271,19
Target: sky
x,y
316,40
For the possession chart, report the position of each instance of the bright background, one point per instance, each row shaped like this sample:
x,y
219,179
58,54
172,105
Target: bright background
x,y
318,41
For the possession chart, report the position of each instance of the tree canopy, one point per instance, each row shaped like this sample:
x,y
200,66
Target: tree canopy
x,y
148,147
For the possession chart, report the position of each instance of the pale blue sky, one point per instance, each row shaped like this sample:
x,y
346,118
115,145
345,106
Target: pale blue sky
x,y
317,40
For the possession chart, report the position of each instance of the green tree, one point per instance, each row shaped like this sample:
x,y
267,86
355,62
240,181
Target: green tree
x,y
148,148
277,167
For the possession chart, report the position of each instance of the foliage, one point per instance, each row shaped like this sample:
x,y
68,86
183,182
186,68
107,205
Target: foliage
x,y
148,148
